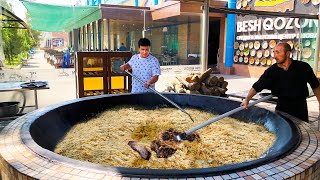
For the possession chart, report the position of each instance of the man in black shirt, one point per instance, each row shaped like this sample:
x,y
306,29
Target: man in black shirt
x,y
287,79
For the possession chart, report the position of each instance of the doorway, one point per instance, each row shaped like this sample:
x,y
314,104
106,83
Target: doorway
x,y
213,42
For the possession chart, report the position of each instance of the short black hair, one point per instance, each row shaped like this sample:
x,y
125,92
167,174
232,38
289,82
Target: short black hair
x,y
144,42
285,46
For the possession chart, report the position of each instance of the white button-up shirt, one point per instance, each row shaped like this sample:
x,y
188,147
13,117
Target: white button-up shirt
x,y
144,69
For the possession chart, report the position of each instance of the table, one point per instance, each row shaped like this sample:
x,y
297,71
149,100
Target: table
x,y
15,86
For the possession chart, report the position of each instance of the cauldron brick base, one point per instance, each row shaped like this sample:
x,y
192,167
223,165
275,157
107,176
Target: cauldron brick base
x,y
19,162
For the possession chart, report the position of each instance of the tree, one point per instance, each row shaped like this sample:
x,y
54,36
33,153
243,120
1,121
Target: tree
x,y
17,42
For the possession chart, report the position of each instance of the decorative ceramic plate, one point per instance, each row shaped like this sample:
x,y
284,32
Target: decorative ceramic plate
x,y
244,3
251,60
257,61
274,61
235,58
314,44
263,61
269,62
246,59
250,45
272,43
240,59
241,46
266,53
264,45
272,53
238,52
306,53
307,43
241,53
236,45
252,52
247,7
238,5
290,43
246,51
298,46
259,54
246,45
256,45
315,2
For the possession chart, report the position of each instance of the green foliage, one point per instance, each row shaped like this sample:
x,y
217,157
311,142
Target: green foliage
x,y
17,42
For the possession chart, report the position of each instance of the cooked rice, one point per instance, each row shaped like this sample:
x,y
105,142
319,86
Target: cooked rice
x,y
103,140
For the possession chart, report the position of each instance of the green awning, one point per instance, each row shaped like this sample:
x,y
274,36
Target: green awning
x,y
54,18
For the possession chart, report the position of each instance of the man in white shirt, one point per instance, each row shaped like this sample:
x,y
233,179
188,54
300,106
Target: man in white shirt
x,y
145,66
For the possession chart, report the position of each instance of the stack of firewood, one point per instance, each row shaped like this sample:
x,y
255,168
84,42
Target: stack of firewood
x,y
204,83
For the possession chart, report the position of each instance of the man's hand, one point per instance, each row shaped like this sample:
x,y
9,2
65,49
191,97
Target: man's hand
x,y
122,67
147,85
245,103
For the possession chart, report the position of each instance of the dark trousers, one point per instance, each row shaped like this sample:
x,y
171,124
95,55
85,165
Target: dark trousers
x,y
297,108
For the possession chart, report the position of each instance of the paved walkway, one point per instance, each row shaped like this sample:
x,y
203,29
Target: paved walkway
x,y
63,85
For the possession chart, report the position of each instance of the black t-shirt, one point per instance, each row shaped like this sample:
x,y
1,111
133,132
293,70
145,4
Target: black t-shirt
x,y
290,84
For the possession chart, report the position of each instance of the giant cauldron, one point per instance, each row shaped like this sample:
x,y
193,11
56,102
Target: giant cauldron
x,y
42,130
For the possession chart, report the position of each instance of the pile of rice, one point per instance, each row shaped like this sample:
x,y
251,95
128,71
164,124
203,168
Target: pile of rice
x,y
103,140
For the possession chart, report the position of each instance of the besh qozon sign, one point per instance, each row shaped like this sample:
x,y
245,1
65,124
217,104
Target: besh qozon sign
x,y
270,24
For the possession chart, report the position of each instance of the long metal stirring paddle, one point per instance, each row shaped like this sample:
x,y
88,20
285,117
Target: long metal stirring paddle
x,y
155,91
183,136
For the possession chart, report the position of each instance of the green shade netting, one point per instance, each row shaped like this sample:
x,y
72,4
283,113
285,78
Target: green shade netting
x,y
54,18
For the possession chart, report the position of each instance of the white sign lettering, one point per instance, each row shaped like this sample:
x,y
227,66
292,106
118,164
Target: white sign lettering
x,y
279,23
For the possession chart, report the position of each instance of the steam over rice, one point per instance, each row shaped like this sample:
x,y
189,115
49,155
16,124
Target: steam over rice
x,y
103,140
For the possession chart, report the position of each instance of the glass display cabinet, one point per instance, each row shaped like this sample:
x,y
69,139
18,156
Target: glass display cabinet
x,y
99,73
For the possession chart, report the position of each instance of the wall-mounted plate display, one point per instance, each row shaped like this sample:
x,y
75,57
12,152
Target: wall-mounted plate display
x,y
235,58
246,59
272,53
272,43
252,52
251,60
290,43
246,51
238,4
256,45
236,45
264,45
257,61
241,46
244,3
263,61
306,53
297,46
315,2
266,53
269,62
246,45
314,44
259,53
307,43
250,45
